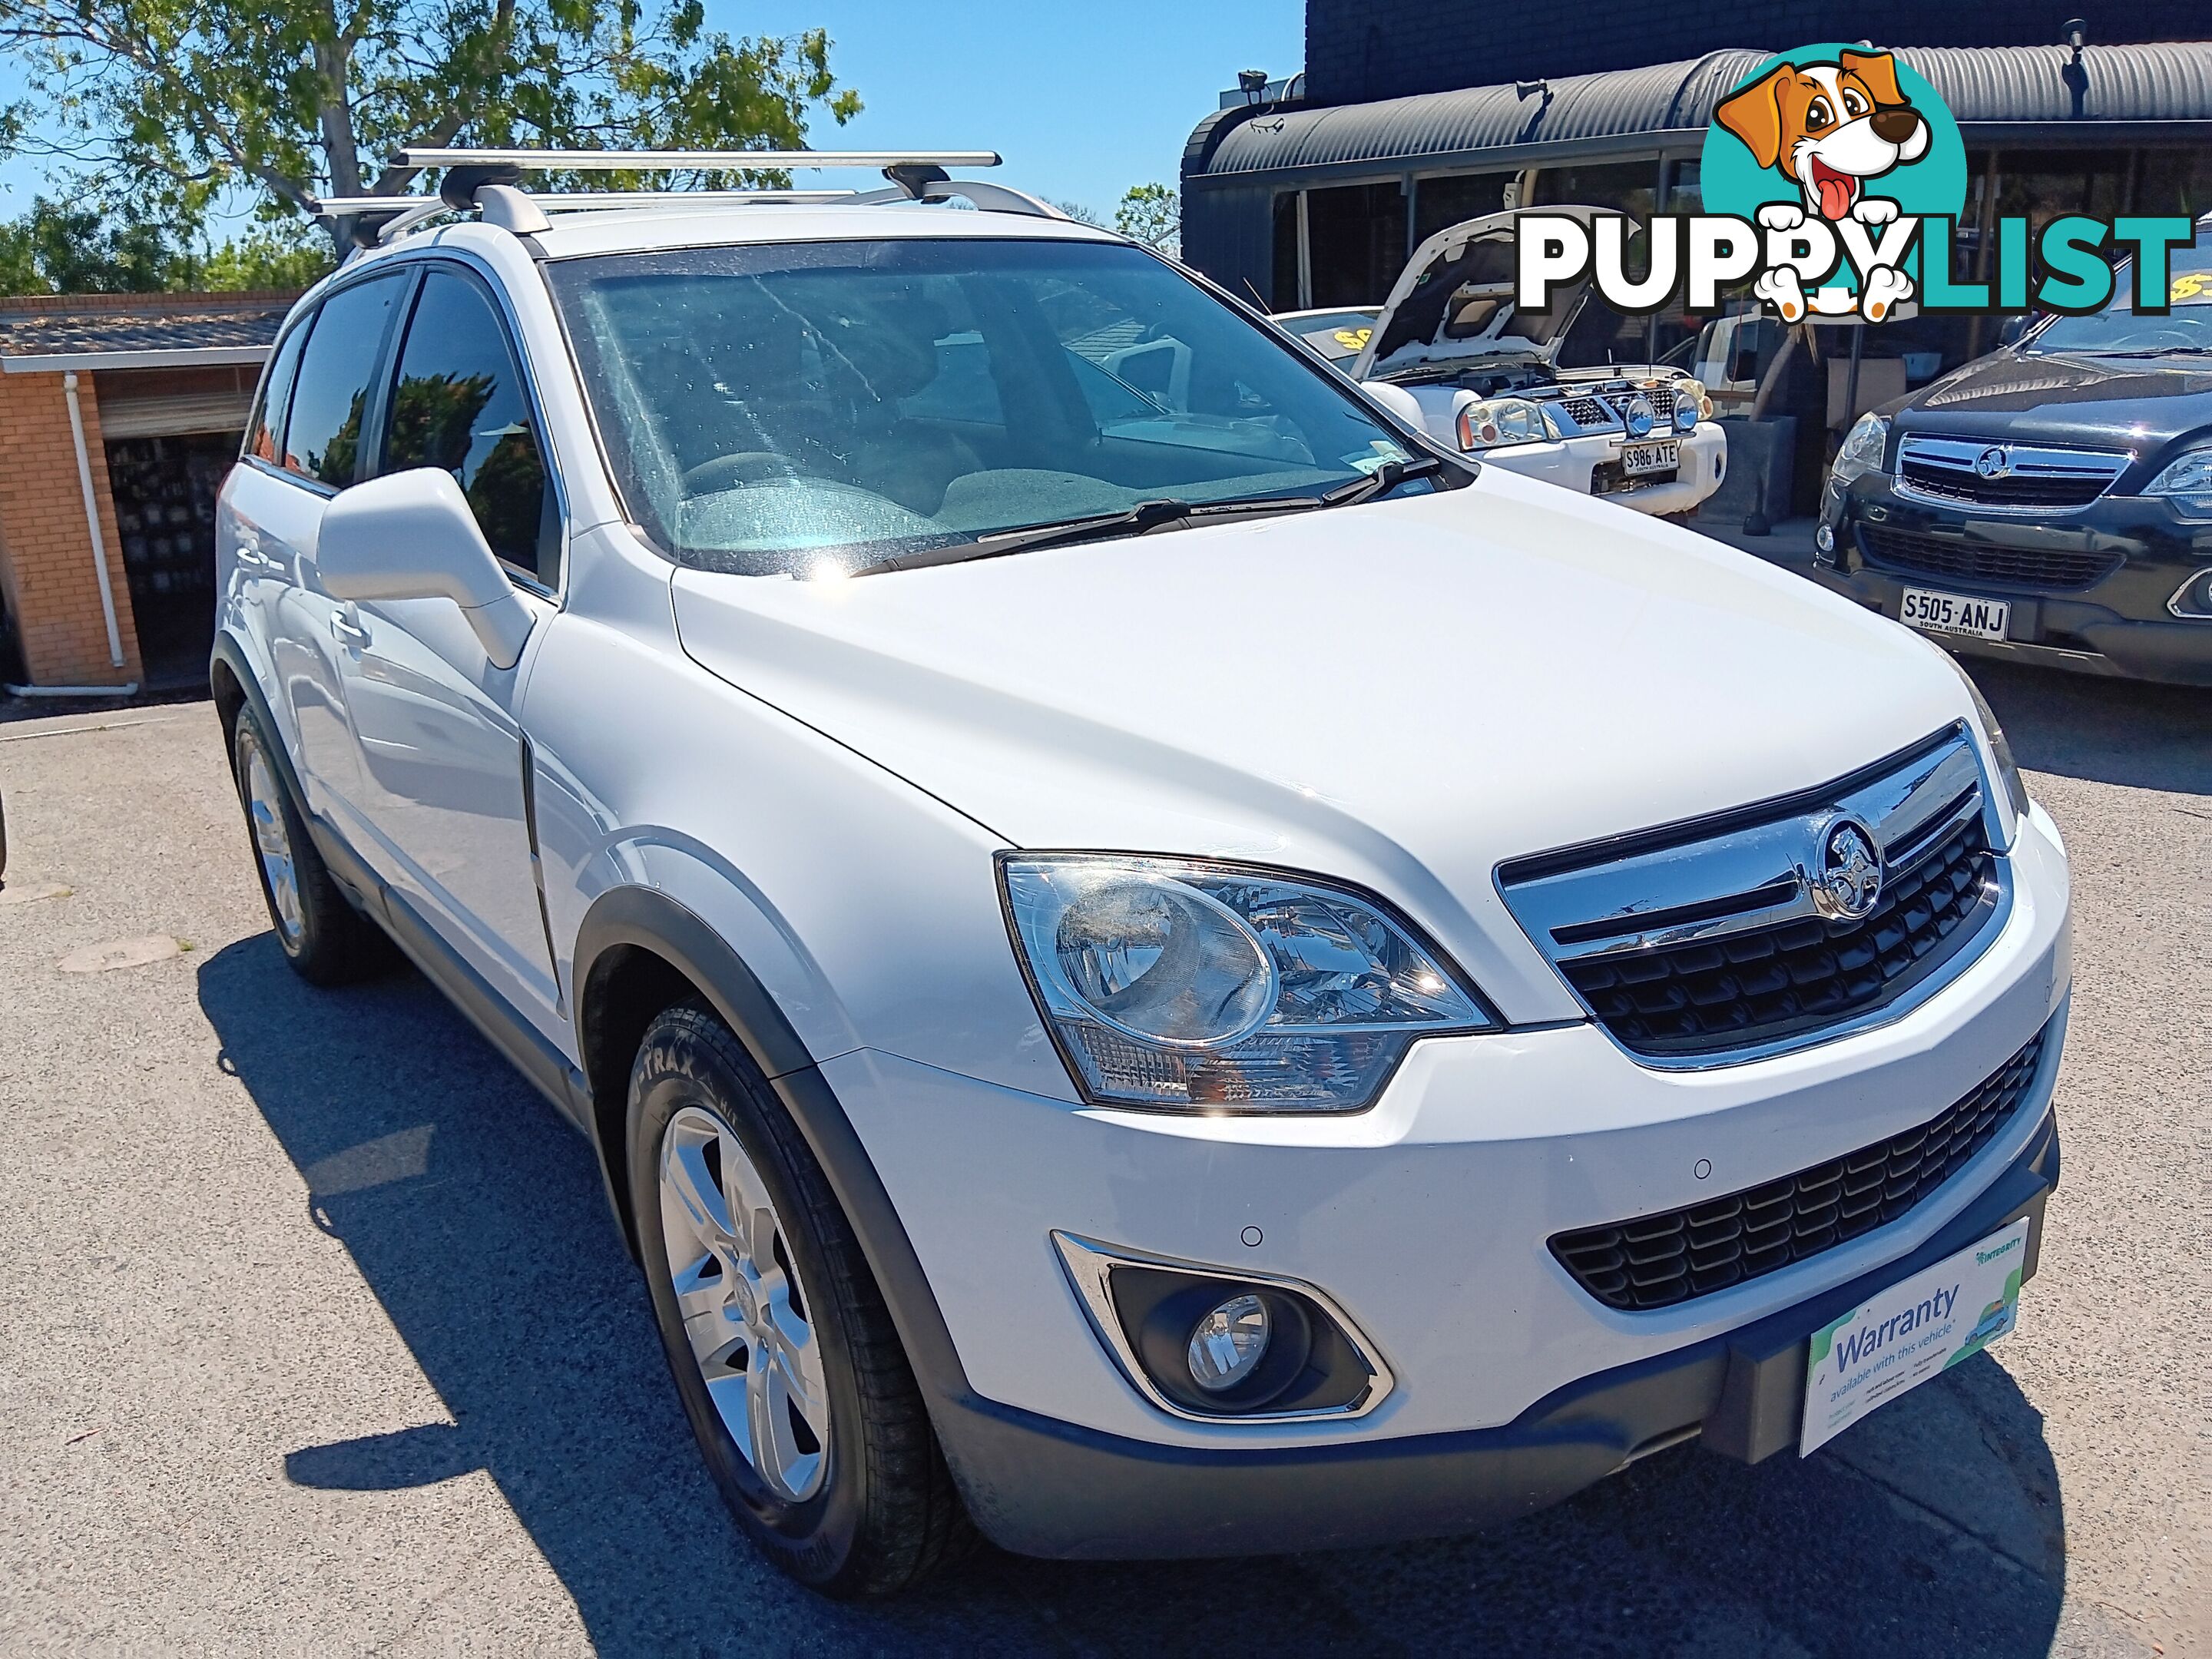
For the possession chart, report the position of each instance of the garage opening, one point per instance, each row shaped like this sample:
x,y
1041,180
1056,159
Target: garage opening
x,y
165,491
171,437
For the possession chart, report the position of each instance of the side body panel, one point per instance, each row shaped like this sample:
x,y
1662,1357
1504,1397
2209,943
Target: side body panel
x,y
268,525
868,909
443,796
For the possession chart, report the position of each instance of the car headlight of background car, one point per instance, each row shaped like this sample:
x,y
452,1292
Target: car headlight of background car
x,y
1861,451
1188,986
1496,422
2187,483
1692,403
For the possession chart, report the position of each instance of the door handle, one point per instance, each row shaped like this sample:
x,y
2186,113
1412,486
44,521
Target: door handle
x,y
348,633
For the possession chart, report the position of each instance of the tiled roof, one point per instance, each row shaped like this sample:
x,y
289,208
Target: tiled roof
x,y
75,324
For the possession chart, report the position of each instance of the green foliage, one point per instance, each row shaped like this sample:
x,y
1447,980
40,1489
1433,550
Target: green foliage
x,y
265,257
1152,214
173,102
58,248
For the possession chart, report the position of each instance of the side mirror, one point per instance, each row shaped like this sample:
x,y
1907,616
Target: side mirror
x,y
411,535
1399,401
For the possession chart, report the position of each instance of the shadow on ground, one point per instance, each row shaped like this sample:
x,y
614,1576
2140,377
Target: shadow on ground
x,y
475,1216
2145,737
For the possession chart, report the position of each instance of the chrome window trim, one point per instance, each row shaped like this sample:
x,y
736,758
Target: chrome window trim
x,y
1090,1264
1911,802
2028,460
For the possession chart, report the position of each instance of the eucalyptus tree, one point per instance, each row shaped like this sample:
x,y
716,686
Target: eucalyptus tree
x,y
185,99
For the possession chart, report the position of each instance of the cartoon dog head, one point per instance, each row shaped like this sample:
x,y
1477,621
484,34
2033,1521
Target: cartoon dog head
x,y
1828,127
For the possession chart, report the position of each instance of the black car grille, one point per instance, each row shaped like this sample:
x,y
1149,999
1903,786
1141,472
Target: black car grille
x,y
1766,983
1586,410
1657,1261
2013,490
2050,569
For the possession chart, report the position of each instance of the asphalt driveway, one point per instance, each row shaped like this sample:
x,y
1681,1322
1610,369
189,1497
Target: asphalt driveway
x,y
314,1335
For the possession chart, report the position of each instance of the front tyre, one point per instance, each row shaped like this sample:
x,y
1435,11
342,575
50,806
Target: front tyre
x,y
325,939
782,1349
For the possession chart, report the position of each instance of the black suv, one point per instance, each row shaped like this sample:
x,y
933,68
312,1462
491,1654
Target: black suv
x,y
2051,501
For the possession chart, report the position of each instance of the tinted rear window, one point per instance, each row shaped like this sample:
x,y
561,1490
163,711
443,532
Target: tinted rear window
x,y
322,440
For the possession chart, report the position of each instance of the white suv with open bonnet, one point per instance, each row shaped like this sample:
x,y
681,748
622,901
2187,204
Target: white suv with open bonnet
x,y
1156,964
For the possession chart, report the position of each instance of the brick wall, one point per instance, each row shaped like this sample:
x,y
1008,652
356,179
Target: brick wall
x,y
1360,50
46,547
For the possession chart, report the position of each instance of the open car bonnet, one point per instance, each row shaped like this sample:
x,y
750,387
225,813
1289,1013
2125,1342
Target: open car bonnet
x,y
1453,303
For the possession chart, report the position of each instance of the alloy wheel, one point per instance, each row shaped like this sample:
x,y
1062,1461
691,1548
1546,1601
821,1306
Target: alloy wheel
x,y
264,807
742,1308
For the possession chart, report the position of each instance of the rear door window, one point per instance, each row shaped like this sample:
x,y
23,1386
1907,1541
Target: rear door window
x,y
266,434
458,403
322,440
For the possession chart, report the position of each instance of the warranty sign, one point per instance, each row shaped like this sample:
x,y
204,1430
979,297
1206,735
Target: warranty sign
x,y
1913,1330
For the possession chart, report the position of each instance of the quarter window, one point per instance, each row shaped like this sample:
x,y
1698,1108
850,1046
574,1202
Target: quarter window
x,y
458,404
322,440
267,431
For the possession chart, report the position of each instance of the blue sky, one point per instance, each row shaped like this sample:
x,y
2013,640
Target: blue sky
x,y
1082,100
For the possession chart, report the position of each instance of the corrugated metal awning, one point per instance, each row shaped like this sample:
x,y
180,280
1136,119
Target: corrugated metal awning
x,y
1986,87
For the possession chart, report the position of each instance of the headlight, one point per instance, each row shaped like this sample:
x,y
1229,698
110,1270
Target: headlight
x,y
2188,481
1861,450
1194,987
1692,403
1497,421
2015,787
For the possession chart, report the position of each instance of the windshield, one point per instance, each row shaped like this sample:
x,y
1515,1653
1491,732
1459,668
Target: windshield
x,y
2186,328
1335,334
800,409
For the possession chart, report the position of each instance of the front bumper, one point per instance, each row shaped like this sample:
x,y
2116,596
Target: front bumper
x,y
2117,625
1426,1218
1584,464
1043,1487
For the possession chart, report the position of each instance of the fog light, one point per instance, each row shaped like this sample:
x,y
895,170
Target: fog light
x,y
1226,1345
1824,540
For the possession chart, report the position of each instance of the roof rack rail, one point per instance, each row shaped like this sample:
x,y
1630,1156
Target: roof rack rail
x,y
586,201
489,179
687,161
467,170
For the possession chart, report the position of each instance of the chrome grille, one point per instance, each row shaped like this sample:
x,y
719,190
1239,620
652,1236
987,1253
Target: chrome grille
x,y
2016,478
1709,942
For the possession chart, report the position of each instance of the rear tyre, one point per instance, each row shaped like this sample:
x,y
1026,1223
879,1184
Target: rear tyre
x,y
325,939
783,1352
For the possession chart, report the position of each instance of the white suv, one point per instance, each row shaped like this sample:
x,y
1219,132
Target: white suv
x,y
1156,965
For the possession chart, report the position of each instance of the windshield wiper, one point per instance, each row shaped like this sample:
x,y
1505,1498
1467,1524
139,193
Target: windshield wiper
x,y
1165,513
2148,351
1381,482
1145,517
